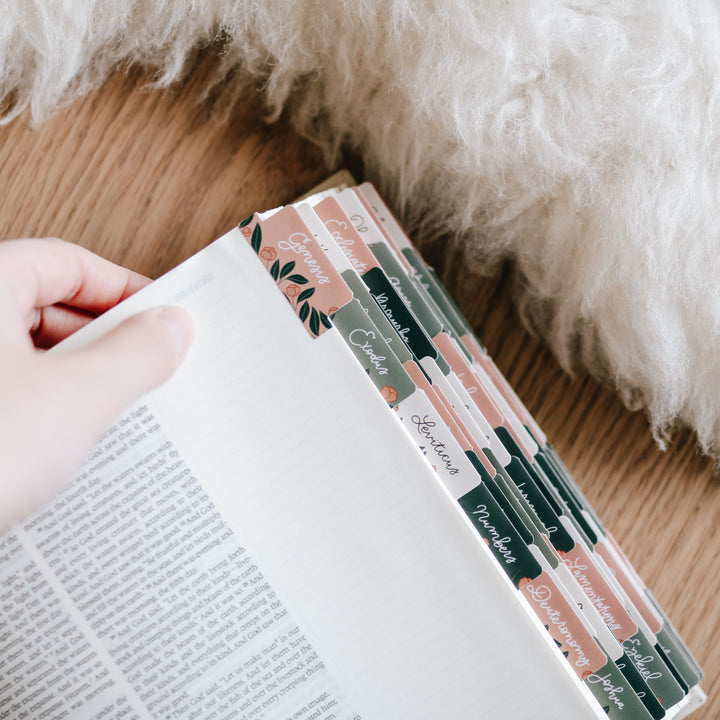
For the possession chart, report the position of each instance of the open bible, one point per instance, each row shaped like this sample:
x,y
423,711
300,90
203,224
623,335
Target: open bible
x,y
336,509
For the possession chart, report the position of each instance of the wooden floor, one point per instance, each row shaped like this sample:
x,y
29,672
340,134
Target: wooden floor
x,y
146,178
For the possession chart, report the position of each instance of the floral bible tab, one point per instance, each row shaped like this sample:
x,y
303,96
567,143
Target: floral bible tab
x,y
564,624
299,267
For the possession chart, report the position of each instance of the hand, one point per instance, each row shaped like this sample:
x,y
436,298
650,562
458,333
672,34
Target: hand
x,y
53,406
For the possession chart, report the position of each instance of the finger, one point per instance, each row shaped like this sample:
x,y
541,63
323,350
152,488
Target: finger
x,y
115,370
70,397
53,324
37,273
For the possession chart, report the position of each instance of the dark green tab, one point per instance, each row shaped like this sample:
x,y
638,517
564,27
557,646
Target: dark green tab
x,y
653,669
363,296
373,353
641,688
400,316
541,482
406,289
498,532
567,495
670,638
615,695
557,534
444,314
551,453
513,448
523,509
669,650
501,498
426,275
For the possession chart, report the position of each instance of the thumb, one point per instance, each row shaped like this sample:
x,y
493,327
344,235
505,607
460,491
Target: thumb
x,y
128,361
70,397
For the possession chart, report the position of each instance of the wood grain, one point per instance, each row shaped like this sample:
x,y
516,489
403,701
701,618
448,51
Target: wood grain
x,y
146,178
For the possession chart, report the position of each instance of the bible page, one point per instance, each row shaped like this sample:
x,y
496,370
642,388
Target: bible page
x,y
259,538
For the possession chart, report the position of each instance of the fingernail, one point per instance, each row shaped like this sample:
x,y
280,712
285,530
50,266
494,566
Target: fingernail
x,y
181,325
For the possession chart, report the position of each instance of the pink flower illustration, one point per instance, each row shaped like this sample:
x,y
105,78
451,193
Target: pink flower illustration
x,y
268,254
292,290
389,393
246,231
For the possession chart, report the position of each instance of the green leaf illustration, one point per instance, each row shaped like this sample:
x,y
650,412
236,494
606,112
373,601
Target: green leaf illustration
x,y
304,311
246,221
275,270
299,279
286,268
314,322
325,320
305,294
256,240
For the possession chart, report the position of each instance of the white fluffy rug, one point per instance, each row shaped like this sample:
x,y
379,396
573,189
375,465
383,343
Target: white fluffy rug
x,y
581,139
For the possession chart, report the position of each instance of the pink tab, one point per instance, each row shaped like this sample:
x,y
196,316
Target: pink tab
x,y
457,362
299,267
476,390
563,624
511,398
347,238
473,347
485,402
598,590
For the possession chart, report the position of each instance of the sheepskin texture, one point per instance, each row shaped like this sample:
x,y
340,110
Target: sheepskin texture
x,y
580,140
